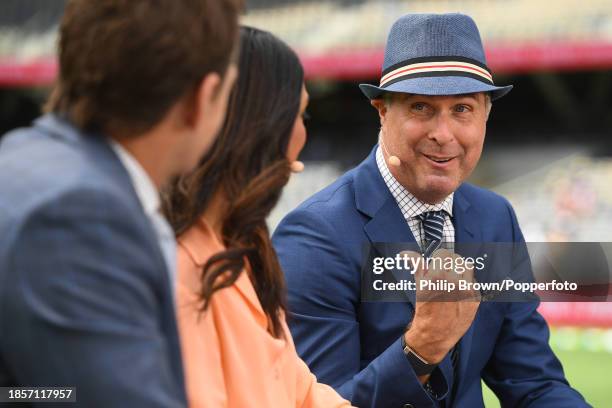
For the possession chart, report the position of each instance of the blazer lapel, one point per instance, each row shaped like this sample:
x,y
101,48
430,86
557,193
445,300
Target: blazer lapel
x,y
387,223
464,228
373,198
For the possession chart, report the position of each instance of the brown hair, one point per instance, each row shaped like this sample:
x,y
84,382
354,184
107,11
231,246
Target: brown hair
x,y
124,63
248,162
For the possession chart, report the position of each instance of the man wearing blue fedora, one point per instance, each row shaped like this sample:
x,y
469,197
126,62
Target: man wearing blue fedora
x,y
433,101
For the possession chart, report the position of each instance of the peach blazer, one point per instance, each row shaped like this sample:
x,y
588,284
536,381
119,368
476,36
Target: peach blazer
x,y
230,358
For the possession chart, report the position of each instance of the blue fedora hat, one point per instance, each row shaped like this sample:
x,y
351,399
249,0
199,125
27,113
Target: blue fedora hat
x,y
435,54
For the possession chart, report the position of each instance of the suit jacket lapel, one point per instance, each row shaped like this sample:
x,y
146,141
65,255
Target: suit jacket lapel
x,y
373,198
464,228
387,223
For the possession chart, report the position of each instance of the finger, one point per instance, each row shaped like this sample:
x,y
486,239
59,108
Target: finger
x,y
444,253
440,264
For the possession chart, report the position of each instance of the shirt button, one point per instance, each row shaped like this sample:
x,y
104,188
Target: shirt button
x,y
408,406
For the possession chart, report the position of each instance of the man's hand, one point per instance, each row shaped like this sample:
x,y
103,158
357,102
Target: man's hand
x,y
441,318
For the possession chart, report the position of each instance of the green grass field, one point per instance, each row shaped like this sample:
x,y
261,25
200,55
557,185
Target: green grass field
x,y
586,356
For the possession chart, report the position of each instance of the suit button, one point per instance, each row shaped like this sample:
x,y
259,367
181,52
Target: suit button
x,y
408,406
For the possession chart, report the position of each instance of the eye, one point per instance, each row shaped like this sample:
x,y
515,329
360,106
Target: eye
x,y
462,108
305,116
418,106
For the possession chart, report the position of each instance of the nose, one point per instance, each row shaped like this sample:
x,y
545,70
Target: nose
x,y
441,130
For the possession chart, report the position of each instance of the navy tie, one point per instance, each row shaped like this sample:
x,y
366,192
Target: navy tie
x,y
433,227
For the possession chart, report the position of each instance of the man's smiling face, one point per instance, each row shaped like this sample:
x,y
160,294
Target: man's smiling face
x,y
438,139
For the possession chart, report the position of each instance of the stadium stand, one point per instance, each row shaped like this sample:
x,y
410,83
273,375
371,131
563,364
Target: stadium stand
x,y
343,39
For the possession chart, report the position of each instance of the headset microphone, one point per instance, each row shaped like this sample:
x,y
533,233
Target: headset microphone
x,y
297,166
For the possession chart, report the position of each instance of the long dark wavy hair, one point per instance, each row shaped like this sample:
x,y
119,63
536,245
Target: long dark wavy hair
x,y
248,164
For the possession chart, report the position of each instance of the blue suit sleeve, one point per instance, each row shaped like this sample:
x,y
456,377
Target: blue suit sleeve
x,y
85,306
324,297
523,370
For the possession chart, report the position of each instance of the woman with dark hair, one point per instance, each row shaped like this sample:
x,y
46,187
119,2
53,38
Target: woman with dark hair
x,y
237,349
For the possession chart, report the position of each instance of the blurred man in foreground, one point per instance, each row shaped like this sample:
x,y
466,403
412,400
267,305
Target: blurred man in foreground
x,y
433,102
86,259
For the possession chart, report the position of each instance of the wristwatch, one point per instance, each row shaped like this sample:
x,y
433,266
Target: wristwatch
x,y
418,363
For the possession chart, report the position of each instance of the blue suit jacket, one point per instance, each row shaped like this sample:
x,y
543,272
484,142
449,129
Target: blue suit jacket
x,y
85,296
355,346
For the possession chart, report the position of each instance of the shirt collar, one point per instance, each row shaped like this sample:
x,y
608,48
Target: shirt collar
x,y
410,206
143,185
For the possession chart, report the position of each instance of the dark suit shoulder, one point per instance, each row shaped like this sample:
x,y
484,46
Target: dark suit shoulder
x,y
338,196
59,175
329,215
37,168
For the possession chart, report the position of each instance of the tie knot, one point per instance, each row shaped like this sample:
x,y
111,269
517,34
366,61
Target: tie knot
x,y
432,216
433,225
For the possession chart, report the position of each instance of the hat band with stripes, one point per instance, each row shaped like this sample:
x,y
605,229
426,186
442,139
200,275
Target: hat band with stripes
x,y
436,67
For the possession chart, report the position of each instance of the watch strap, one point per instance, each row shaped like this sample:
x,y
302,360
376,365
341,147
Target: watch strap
x,y
418,363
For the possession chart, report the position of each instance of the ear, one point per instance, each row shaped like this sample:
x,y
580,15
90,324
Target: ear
x,y
488,105
381,107
204,100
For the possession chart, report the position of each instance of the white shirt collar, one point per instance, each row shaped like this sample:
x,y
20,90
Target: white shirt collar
x,y
409,205
143,185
